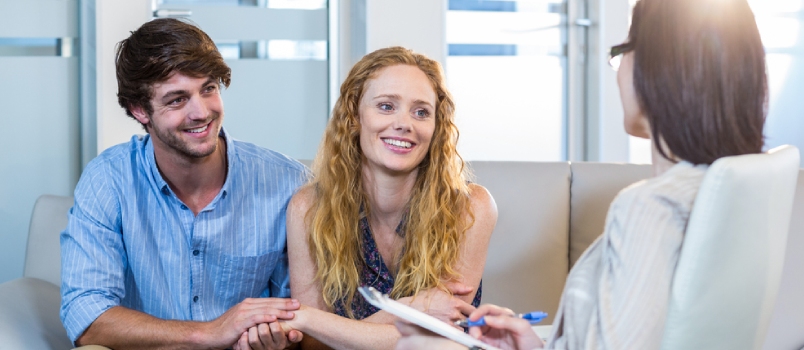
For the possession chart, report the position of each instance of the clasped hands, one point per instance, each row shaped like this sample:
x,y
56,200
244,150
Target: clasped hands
x,y
254,324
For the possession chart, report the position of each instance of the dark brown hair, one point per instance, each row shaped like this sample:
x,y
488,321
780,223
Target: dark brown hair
x,y
158,49
699,76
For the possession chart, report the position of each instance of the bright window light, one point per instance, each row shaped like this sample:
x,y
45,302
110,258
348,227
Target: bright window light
x,y
297,50
297,4
506,71
765,7
294,50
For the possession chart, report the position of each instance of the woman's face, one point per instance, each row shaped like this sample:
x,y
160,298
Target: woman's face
x,y
397,119
636,124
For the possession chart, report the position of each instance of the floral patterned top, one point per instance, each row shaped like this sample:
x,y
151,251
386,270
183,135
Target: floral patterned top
x,y
374,273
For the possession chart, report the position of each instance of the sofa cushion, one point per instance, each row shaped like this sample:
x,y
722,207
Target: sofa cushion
x,y
527,257
29,315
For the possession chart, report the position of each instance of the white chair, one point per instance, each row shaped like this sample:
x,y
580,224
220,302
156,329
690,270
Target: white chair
x,y
29,306
730,266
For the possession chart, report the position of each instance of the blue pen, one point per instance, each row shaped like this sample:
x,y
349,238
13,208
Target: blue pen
x,y
532,317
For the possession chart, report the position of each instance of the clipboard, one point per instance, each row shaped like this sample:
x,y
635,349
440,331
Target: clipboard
x,y
407,313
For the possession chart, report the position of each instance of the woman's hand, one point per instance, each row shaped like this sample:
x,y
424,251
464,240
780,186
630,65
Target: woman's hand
x,y
268,336
441,305
300,319
503,329
415,337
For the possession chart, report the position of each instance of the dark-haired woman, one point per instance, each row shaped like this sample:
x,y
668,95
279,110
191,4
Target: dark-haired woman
x,y
692,79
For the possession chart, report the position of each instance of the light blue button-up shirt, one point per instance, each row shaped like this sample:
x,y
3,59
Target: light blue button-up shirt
x,y
131,242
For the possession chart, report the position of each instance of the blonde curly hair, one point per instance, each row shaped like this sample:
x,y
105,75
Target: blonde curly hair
x,y
439,212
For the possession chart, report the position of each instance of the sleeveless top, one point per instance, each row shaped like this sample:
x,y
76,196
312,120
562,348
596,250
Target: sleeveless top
x,y
374,273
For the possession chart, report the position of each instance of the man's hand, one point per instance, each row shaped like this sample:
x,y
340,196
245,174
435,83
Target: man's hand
x,y
268,337
228,329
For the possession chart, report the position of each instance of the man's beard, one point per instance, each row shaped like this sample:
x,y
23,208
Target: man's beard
x,y
173,141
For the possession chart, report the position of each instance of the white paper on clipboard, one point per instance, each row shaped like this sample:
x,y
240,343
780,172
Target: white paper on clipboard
x,y
422,319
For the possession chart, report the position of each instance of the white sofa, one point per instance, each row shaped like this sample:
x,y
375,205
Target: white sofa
x,y
29,306
548,214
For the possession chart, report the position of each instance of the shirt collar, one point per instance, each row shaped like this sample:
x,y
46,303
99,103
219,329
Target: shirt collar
x,y
231,154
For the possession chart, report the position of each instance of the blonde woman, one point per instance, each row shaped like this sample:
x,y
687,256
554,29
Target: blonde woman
x,y
389,206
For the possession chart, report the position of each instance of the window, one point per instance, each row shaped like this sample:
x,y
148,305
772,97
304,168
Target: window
x,y
506,69
779,23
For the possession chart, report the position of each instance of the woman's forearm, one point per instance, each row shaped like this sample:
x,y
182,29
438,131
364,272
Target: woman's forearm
x,y
342,333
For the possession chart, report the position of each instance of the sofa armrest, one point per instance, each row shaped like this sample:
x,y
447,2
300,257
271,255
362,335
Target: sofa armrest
x,y
29,315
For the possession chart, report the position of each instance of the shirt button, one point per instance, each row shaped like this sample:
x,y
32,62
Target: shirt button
x,y
195,298
184,207
195,252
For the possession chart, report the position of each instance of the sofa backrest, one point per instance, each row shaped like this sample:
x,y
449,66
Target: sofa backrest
x,y
527,259
593,188
43,254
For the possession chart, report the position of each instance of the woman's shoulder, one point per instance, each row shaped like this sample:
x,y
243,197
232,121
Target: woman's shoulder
x,y
480,199
301,202
483,208
674,191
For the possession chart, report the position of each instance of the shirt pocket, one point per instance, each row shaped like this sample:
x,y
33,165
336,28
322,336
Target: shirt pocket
x,y
246,276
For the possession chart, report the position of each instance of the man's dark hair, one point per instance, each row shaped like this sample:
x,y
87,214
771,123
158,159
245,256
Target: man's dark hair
x,y
699,76
157,50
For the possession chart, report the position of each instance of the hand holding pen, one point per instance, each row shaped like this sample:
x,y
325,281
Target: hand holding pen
x,y
532,318
505,329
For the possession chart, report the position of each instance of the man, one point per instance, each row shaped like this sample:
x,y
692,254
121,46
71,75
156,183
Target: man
x,y
177,238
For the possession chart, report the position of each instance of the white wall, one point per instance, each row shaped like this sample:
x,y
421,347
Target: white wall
x,y
416,24
114,20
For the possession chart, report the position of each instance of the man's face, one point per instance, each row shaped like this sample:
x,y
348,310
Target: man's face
x,y
187,116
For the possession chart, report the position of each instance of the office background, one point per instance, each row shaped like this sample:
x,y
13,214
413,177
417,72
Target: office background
x,y
530,79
